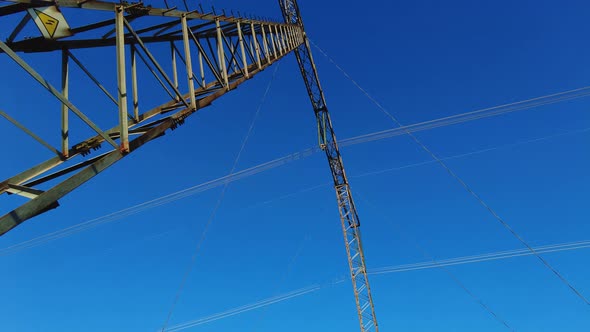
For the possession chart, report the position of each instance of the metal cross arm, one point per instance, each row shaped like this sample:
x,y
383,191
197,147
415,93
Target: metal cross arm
x,y
217,54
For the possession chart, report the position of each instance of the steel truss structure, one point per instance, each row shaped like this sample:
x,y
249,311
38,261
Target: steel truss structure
x,y
327,138
212,53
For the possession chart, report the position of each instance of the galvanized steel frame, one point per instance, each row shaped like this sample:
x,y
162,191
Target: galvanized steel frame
x,y
229,50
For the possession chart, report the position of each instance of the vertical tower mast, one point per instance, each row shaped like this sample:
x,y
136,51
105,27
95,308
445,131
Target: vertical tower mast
x,y
327,140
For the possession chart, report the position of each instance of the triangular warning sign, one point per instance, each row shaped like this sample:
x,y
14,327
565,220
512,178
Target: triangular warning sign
x,y
50,23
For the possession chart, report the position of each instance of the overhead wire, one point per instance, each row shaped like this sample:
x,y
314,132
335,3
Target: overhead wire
x,y
472,153
413,165
443,268
460,180
115,216
118,215
500,255
469,116
285,275
201,240
245,308
427,125
423,163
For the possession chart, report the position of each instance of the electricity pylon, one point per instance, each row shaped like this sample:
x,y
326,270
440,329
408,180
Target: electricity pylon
x,y
348,214
208,54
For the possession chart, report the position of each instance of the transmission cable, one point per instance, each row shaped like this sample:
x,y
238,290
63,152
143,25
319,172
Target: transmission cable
x,y
115,216
471,116
245,308
385,270
442,267
286,274
458,179
314,288
499,255
218,203
422,163
437,123
472,153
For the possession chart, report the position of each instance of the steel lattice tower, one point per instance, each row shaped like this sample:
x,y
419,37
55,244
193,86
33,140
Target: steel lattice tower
x,y
209,53
348,214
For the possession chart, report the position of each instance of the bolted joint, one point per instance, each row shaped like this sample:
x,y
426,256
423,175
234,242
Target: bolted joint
x,y
178,121
124,148
85,148
134,8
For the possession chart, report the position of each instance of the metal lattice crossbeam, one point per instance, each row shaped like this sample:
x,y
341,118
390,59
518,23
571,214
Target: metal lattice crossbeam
x,y
212,53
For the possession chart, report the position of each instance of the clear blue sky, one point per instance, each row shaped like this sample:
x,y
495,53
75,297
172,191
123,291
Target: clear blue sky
x,y
422,60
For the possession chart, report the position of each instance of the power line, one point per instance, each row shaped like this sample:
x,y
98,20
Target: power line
x,y
469,116
245,308
472,153
500,255
427,162
115,216
460,180
111,217
453,277
217,204
283,278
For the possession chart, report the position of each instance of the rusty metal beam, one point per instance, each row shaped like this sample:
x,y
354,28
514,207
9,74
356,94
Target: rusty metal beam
x,y
222,82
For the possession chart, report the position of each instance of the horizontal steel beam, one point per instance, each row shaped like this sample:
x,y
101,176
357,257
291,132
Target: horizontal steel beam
x,y
136,8
83,37
226,51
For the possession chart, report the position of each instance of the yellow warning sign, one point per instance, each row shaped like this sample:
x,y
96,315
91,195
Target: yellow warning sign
x,y
50,23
